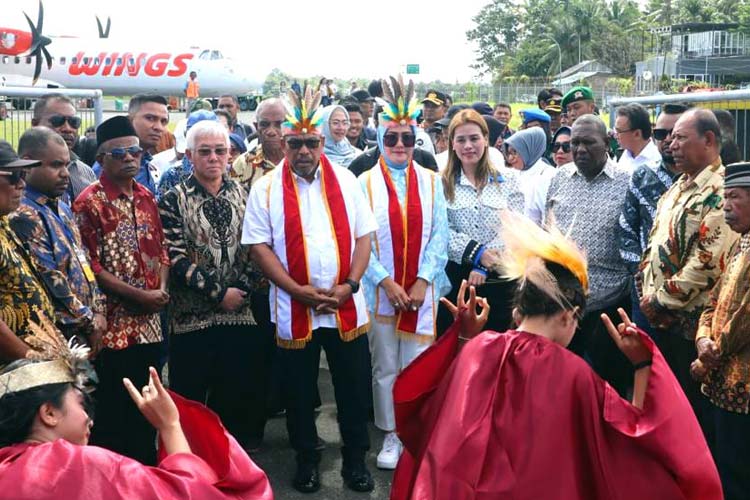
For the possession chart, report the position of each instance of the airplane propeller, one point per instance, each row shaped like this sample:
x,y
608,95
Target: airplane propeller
x,y
103,32
39,43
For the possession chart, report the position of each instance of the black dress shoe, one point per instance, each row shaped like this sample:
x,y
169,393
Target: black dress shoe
x,y
358,478
307,478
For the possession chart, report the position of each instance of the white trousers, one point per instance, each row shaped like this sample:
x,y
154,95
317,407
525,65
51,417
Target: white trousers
x,y
390,354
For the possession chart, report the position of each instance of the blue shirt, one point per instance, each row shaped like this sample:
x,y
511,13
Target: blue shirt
x,y
174,175
646,186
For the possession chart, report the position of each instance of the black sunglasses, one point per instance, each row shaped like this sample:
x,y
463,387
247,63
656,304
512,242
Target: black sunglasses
x,y
120,153
58,120
407,139
310,143
661,133
565,146
14,176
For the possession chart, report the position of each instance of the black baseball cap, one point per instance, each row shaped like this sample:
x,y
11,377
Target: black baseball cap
x,y
362,96
9,158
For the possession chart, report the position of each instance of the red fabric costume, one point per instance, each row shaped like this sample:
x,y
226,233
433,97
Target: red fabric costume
x,y
217,469
516,416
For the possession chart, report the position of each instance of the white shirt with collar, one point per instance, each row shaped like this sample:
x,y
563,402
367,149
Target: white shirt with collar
x,y
649,155
258,227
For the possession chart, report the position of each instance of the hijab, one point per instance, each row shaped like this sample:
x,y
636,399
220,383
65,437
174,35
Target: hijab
x,y
530,143
382,129
341,152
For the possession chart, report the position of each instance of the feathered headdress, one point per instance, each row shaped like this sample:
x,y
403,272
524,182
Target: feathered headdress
x,y
399,104
59,361
304,114
528,247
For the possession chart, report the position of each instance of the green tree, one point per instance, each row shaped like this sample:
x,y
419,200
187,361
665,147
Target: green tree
x,y
495,34
273,81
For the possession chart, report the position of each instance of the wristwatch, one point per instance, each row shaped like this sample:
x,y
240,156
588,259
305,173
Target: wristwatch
x,y
353,284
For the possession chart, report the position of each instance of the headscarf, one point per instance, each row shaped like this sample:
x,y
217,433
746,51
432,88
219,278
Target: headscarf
x,y
341,152
382,129
530,143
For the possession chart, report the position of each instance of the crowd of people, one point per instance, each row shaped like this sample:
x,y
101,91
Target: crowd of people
x,y
235,252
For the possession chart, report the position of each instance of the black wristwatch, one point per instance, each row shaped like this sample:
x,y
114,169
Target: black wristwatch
x,y
353,284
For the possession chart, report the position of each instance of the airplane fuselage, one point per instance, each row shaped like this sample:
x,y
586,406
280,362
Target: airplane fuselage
x,y
118,68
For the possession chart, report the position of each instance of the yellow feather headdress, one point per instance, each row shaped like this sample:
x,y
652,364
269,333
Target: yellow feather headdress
x,y
304,114
528,247
400,106
60,361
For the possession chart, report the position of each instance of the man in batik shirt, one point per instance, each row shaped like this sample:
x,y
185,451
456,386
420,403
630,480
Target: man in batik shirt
x,y
688,246
723,345
46,224
22,296
120,226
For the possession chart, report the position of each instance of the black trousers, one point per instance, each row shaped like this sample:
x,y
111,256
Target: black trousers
x,y
498,293
118,425
593,343
350,369
731,451
226,367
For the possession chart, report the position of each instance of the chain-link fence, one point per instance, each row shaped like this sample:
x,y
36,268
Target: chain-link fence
x,y
17,109
737,102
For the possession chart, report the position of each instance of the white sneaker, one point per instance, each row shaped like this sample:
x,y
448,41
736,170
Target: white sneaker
x,y
388,456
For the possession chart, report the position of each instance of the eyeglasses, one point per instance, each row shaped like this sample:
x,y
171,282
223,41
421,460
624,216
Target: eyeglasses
x,y
205,152
407,139
340,123
309,143
661,133
15,176
121,153
565,146
509,151
57,121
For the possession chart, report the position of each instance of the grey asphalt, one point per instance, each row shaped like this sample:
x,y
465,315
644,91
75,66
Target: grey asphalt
x,y
276,457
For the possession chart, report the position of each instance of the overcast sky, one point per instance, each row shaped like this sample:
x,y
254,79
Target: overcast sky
x,y
336,38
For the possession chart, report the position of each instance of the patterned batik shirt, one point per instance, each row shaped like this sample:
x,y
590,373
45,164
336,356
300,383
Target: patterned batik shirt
x,y
474,215
22,295
250,167
203,237
590,209
124,236
647,185
48,227
687,247
173,176
726,321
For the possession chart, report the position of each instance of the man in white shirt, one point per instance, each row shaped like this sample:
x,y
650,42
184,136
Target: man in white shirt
x,y
309,226
633,129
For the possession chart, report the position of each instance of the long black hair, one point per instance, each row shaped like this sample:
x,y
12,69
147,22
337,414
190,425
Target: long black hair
x,y
18,409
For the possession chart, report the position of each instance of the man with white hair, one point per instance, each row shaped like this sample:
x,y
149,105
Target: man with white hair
x,y
216,354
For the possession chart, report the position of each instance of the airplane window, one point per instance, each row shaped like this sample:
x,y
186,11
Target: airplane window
x,y
85,60
131,61
215,54
96,61
74,60
119,61
28,60
5,59
17,60
205,55
108,61
62,60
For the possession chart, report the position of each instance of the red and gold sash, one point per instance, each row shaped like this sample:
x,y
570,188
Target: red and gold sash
x,y
406,238
346,315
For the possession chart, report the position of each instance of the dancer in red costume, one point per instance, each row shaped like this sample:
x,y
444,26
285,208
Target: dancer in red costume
x,y
44,428
515,415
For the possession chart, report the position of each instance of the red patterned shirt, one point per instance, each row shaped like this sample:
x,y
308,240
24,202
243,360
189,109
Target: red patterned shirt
x,y
124,237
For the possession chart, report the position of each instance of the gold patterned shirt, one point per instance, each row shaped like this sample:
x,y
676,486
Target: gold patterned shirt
x,y
22,295
250,167
726,321
688,246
